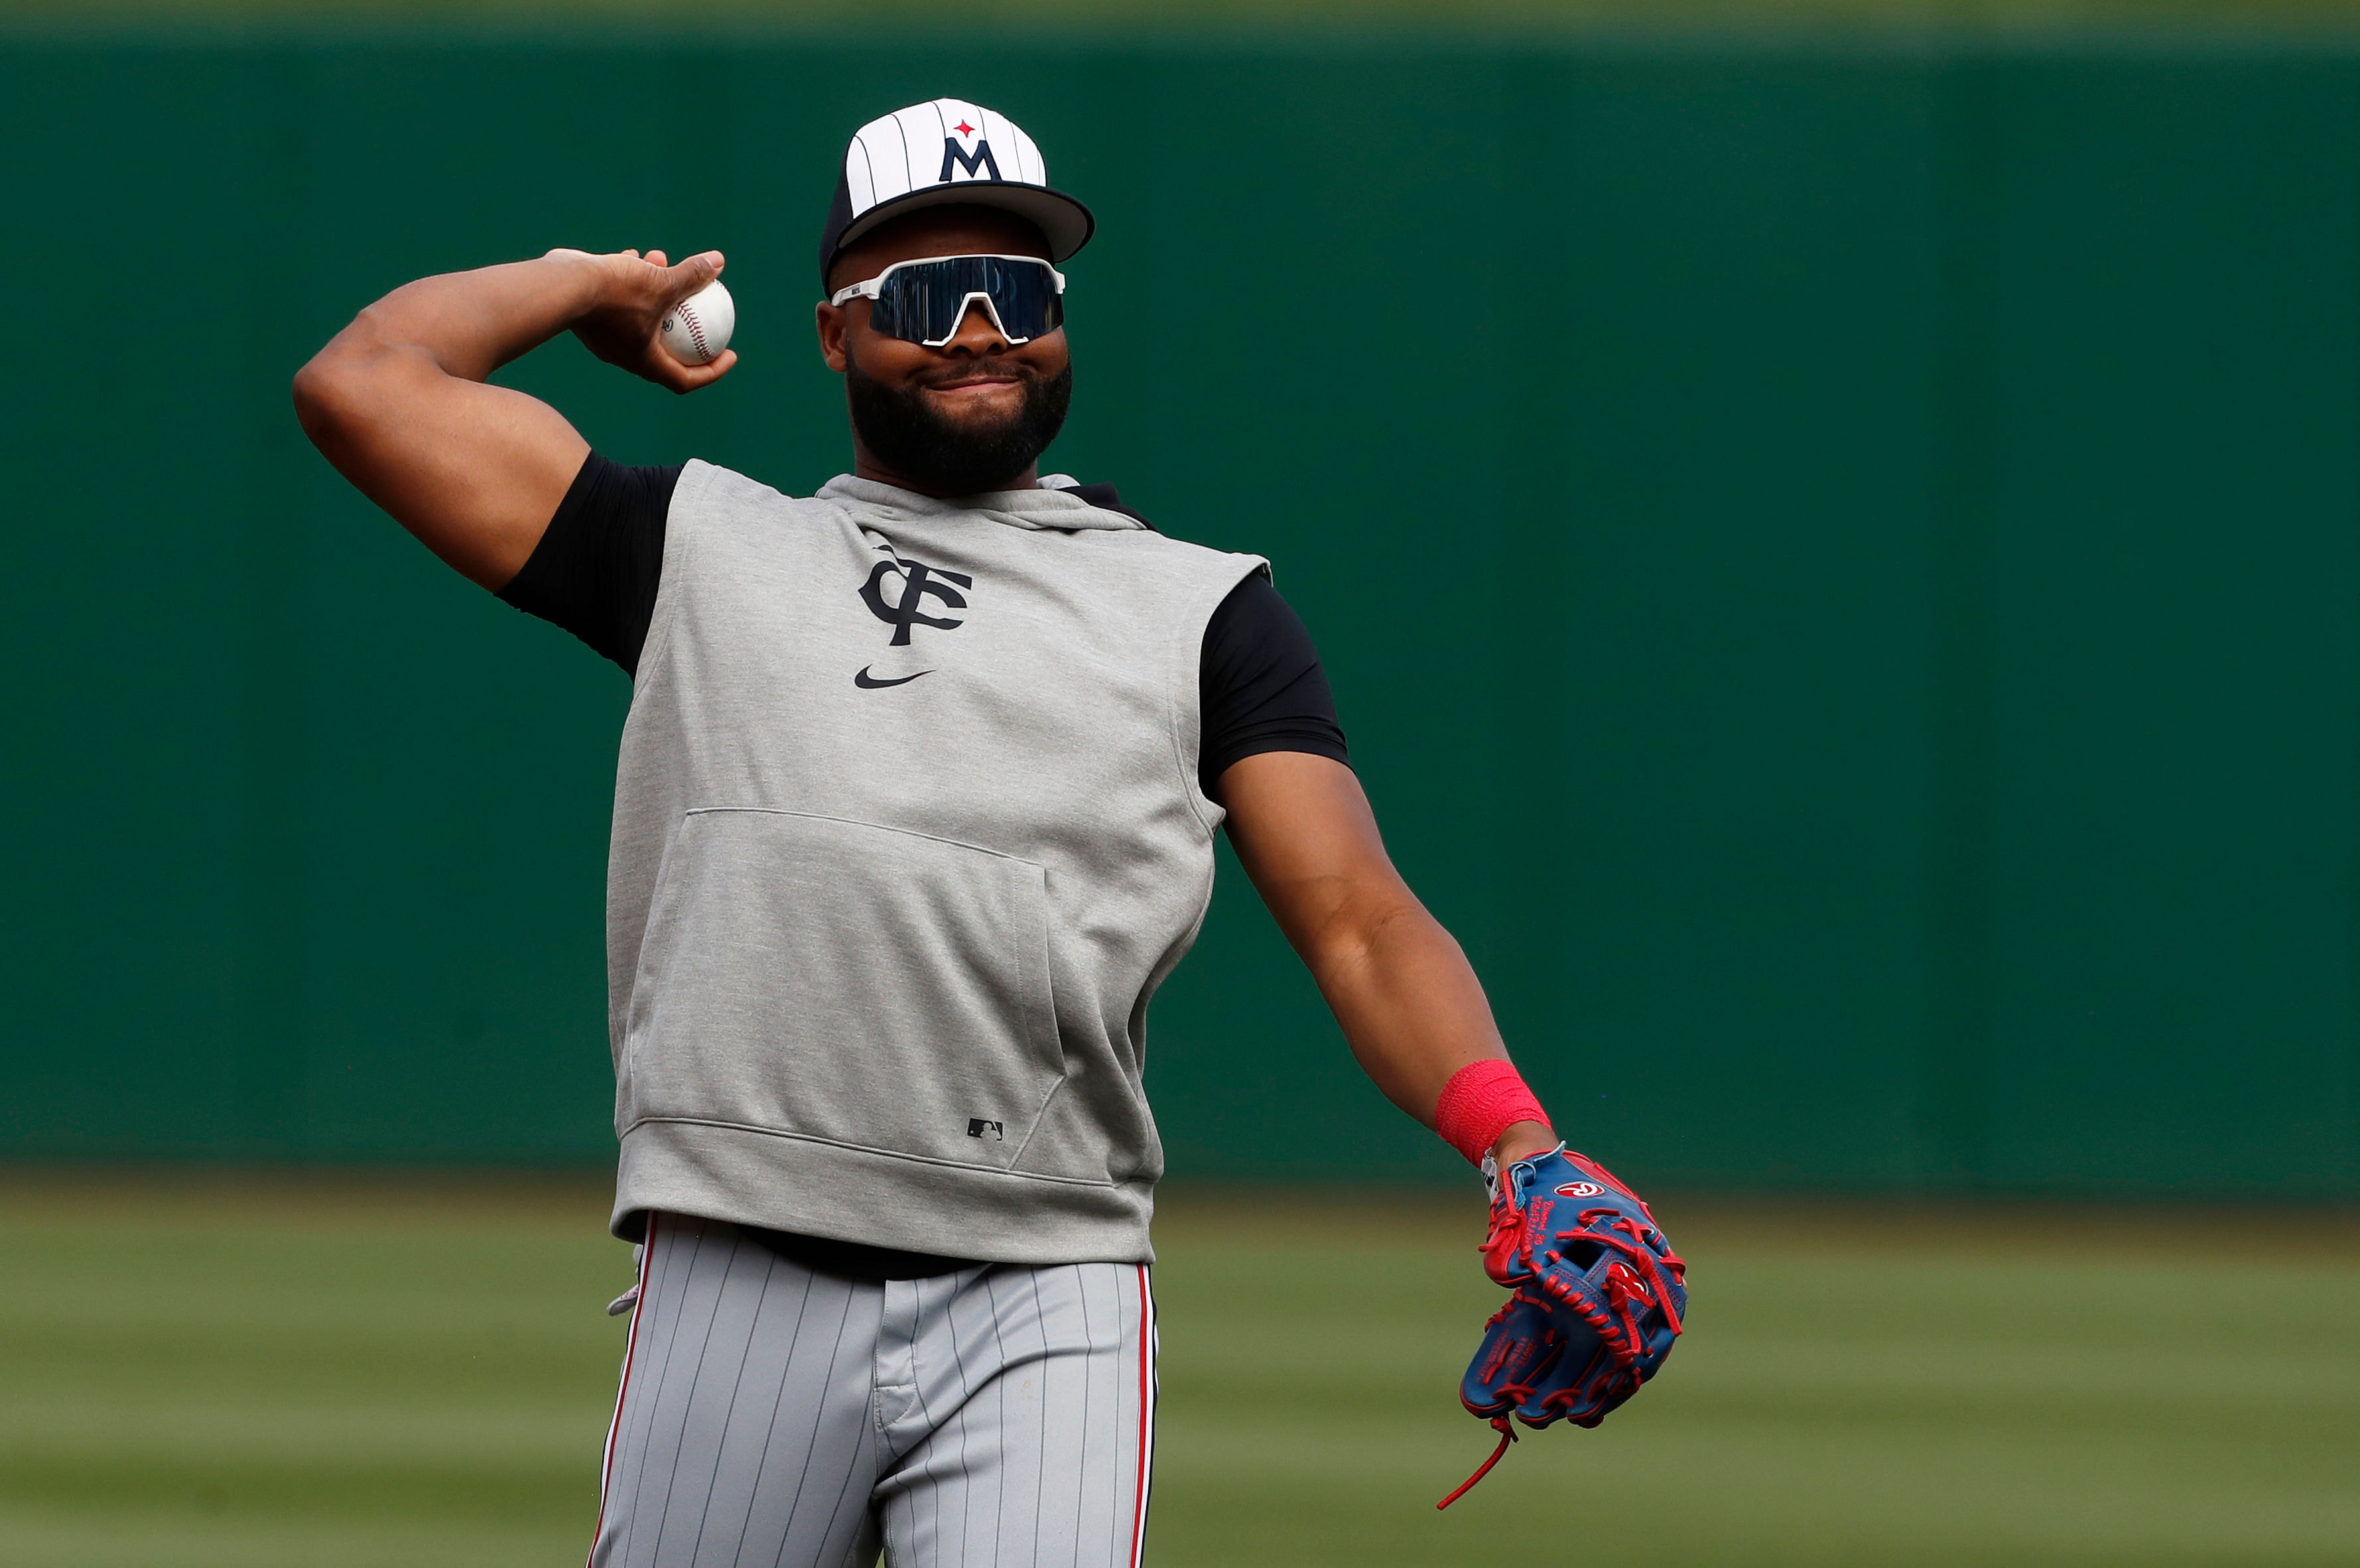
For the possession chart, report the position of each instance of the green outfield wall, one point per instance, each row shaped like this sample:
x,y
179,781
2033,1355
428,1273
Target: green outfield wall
x,y
1839,561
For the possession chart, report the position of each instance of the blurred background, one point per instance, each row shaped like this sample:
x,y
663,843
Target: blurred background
x,y
1833,531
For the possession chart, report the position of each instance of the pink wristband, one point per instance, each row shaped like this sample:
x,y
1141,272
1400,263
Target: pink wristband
x,y
1483,1100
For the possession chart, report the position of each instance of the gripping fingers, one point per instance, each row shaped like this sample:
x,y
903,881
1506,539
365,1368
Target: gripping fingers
x,y
691,275
625,327
678,283
687,378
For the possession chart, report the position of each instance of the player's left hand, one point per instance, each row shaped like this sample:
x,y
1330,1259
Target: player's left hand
x,y
1598,1298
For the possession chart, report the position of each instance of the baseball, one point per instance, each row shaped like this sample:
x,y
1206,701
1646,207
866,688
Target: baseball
x,y
696,330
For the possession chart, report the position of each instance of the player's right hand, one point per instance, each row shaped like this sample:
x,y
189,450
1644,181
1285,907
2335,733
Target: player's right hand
x,y
624,323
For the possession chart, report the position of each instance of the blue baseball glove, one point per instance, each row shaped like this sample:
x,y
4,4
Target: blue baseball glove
x,y
1597,1298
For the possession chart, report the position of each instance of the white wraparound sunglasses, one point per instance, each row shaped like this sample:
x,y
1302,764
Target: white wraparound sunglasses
x,y
923,301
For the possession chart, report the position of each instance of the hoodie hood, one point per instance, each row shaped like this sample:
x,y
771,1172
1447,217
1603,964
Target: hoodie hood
x,y
1046,509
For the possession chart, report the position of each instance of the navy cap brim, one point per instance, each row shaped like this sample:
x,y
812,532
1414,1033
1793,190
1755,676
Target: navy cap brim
x,y
1063,221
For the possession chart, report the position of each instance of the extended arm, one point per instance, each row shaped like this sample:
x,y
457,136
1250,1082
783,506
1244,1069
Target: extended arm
x,y
1597,1294
1407,999
397,400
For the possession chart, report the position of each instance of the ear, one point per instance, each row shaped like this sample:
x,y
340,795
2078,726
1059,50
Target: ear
x,y
831,324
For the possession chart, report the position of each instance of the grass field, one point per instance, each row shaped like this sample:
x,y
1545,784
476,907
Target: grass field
x,y
349,1375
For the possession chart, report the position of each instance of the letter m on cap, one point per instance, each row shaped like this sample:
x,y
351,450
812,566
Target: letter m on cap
x,y
975,164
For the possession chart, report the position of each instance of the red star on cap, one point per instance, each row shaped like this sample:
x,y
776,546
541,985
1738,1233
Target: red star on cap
x,y
965,129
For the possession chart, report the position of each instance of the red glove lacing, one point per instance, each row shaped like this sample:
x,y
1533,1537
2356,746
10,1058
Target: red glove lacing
x,y
1507,1436
1635,1274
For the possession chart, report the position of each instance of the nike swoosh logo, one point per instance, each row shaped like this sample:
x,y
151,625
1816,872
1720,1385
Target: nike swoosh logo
x,y
868,682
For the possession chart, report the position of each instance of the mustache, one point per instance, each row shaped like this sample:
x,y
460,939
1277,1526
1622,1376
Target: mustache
x,y
944,375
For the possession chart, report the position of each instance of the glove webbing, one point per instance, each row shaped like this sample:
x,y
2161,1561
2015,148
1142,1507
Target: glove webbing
x,y
1617,1324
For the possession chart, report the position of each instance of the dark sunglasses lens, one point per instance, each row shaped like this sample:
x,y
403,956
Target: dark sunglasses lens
x,y
1025,295
924,303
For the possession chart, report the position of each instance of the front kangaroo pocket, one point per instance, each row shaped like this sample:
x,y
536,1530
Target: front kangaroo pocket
x,y
845,982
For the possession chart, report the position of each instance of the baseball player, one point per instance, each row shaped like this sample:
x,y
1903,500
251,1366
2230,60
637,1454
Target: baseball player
x,y
914,809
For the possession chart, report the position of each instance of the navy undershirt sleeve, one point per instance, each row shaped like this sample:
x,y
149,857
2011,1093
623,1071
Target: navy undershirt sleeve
x,y
595,572
597,566
1260,686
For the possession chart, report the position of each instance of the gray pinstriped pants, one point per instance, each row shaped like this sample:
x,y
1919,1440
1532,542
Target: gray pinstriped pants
x,y
774,1417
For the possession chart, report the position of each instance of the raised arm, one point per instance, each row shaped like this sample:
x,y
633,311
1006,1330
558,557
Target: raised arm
x,y
397,399
1403,990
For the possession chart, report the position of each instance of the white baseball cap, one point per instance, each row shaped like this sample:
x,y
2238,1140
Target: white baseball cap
x,y
946,153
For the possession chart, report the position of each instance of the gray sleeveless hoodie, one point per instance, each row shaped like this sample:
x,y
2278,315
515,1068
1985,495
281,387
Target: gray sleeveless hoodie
x,y
907,832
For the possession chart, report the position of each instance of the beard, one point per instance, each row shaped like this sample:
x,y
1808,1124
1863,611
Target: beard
x,y
907,435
